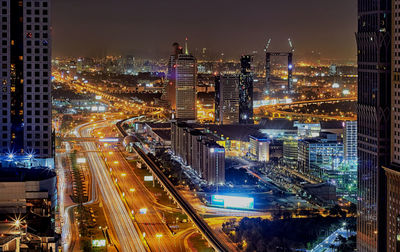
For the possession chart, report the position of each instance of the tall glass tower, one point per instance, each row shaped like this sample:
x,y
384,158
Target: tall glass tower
x,y
374,101
246,90
186,81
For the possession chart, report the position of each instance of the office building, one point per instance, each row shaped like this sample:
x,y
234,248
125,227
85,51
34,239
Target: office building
x,y
25,59
170,87
259,147
318,155
290,151
307,130
392,171
25,190
246,90
373,122
186,81
350,142
227,99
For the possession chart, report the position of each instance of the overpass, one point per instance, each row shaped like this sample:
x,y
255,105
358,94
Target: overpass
x,y
311,102
178,198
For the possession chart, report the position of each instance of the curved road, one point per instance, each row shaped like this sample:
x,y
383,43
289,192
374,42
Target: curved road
x,y
127,235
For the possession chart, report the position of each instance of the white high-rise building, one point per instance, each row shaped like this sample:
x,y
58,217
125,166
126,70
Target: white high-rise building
x,y
350,141
186,81
25,60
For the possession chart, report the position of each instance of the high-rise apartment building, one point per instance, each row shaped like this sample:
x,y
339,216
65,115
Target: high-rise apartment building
x,y
25,60
186,81
227,99
199,151
350,142
374,106
246,90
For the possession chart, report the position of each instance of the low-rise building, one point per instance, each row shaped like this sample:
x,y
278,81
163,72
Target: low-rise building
x,y
20,187
259,147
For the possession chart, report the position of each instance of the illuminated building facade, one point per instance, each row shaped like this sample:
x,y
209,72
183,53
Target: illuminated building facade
x,y
186,81
373,110
227,99
198,150
350,142
213,168
26,79
290,151
318,154
246,90
170,87
259,147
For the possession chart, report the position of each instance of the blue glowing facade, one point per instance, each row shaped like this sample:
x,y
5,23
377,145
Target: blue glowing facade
x,y
232,201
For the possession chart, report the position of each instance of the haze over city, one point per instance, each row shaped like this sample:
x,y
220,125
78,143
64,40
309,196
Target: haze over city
x,y
148,28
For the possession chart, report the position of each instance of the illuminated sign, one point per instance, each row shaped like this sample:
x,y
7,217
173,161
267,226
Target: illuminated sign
x,y
98,97
108,139
81,160
232,201
98,243
143,210
148,178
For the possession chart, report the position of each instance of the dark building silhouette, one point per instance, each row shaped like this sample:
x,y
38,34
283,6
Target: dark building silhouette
x,y
25,94
374,101
227,99
246,90
170,88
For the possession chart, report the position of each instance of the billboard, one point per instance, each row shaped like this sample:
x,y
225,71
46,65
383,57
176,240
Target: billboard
x,y
148,178
98,243
108,140
232,201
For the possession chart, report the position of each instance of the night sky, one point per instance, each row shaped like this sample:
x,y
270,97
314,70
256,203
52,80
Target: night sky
x,y
147,28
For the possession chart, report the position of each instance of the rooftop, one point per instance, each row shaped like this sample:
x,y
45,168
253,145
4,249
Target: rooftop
x,y
23,174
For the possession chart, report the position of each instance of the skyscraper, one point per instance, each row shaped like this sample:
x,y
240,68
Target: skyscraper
x,y
25,78
227,99
170,87
186,80
246,90
374,92
392,172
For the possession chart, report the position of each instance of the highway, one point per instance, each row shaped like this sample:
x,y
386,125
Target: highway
x,y
136,196
277,110
187,208
127,235
179,199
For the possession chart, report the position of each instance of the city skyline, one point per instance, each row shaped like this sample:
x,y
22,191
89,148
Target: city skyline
x,y
171,125
145,31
